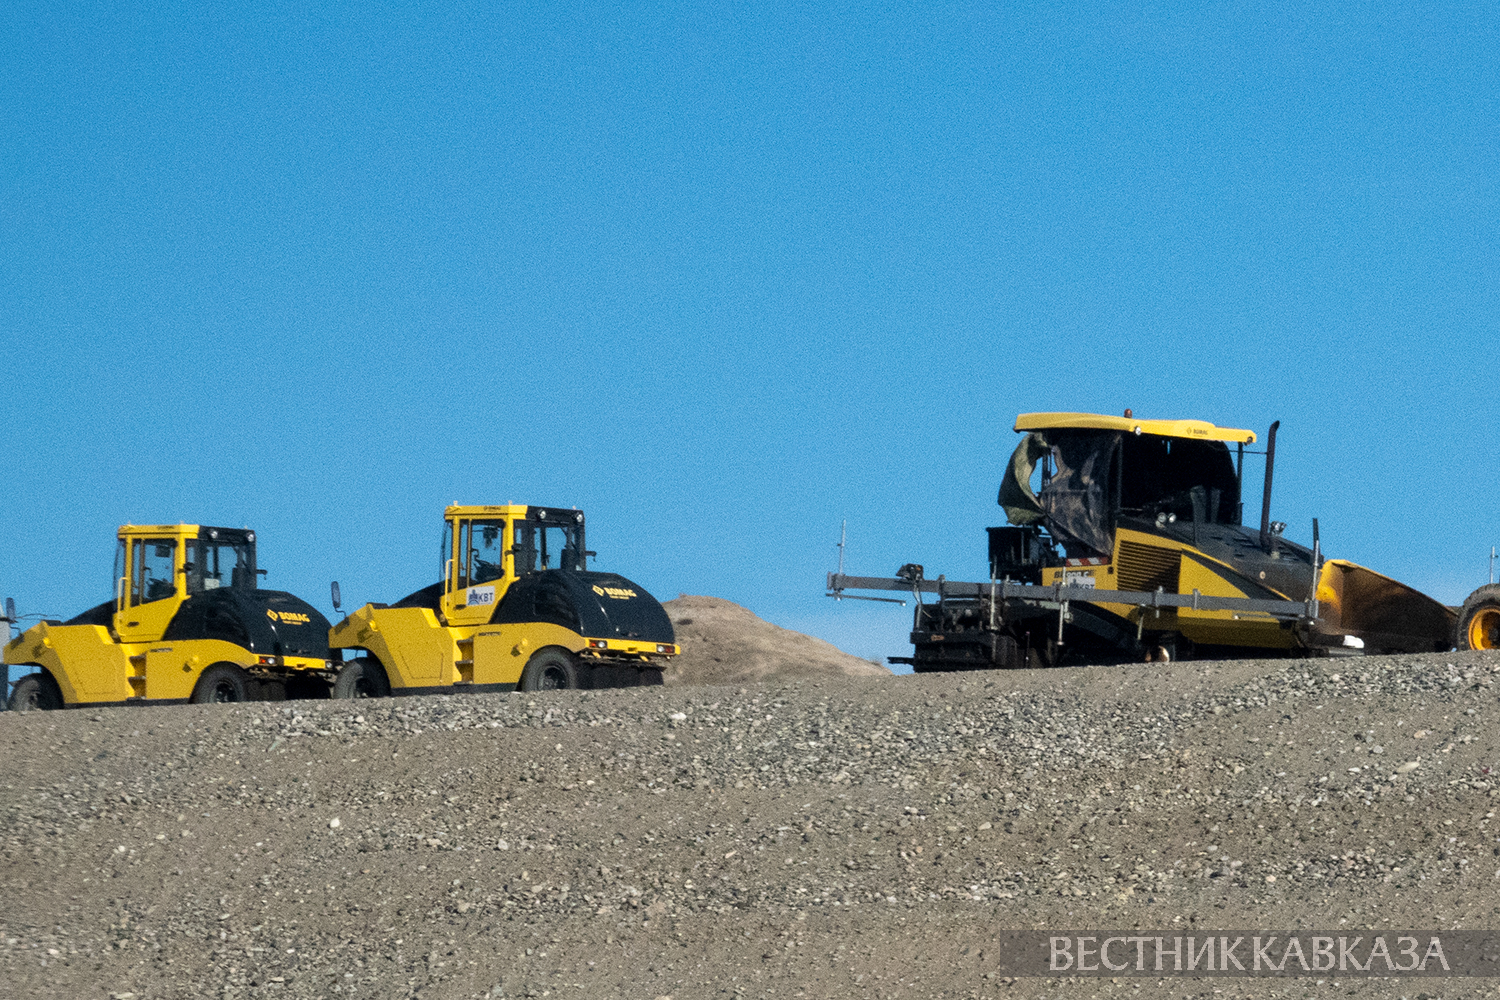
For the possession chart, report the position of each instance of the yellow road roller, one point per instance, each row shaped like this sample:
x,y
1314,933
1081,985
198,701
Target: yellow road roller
x,y
515,607
187,623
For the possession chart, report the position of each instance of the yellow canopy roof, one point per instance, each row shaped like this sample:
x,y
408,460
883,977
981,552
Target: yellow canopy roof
x,y
1200,430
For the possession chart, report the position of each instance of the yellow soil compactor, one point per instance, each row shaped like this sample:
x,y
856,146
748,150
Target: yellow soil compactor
x,y
187,623
515,606
1134,548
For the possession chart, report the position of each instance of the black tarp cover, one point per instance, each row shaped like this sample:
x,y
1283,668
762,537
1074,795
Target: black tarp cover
x,y
1075,504
1021,505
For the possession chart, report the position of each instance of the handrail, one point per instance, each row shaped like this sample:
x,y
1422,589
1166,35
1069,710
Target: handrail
x,y
1061,594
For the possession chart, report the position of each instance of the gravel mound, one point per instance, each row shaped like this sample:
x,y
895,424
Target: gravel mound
x,y
723,643
831,836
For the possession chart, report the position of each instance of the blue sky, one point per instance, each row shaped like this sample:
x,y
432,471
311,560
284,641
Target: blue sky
x,y
725,278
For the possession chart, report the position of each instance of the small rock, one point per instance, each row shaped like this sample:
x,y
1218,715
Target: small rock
x,y
1408,767
333,824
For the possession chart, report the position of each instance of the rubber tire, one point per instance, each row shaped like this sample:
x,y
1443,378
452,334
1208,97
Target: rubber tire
x,y
36,693
651,677
362,678
553,669
222,684
1485,603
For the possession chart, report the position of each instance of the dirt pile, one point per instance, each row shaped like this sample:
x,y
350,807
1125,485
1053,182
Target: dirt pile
x,y
828,837
723,643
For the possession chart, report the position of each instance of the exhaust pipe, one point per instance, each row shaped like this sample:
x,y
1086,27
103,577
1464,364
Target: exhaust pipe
x,y
1265,501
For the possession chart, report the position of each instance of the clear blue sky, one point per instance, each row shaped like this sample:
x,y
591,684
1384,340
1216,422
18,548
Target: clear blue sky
x,y
724,278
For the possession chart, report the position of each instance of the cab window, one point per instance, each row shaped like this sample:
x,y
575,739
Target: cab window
x,y
481,552
1161,475
153,563
445,555
222,561
524,549
548,546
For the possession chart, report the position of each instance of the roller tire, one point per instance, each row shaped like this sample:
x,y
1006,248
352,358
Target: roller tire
x,y
36,693
1479,620
554,669
222,684
362,678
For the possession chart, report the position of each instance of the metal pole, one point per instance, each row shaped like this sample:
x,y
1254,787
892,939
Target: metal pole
x,y
1492,564
1265,500
9,616
1239,477
843,532
1317,557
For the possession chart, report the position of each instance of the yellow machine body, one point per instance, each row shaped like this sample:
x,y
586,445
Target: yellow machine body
x,y
446,637
1198,430
1144,562
1118,527
1158,540
138,647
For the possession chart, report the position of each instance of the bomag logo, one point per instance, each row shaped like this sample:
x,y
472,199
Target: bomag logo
x,y
618,593
290,617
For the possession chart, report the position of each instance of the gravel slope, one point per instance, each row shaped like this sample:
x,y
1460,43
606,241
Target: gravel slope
x,y
838,837
723,643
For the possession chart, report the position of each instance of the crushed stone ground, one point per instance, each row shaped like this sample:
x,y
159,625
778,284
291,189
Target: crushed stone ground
x,y
825,837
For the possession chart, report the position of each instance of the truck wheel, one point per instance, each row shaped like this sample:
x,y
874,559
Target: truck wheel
x,y
222,683
553,669
36,693
1479,621
362,678
651,677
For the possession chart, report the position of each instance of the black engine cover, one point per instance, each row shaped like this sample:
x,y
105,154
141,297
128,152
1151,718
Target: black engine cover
x,y
596,605
266,622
